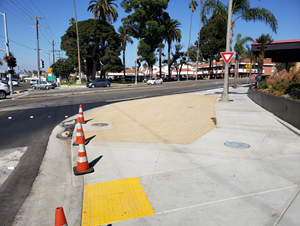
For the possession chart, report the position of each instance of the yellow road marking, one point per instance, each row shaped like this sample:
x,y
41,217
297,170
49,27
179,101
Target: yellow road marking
x,y
113,201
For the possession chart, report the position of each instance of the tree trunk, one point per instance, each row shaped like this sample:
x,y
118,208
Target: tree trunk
x,y
124,59
236,71
261,57
160,59
169,66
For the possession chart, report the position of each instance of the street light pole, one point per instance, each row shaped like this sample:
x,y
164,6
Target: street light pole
x,y
201,1
225,95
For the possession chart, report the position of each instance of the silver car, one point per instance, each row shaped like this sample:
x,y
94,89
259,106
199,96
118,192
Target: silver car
x,y
43,85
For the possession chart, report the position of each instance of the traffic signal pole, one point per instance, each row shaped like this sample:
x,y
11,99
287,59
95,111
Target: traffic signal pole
x,y
7,52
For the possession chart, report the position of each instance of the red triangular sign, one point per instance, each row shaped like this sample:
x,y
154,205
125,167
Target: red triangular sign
x,y
227,56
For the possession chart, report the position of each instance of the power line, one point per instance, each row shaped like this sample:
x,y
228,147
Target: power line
x,y
45,19
28,7
18,43
19,7
16,15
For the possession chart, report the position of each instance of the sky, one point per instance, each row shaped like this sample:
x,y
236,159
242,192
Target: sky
x,y
57,13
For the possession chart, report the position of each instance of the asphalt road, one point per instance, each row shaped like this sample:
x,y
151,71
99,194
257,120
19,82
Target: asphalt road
x,y
28,121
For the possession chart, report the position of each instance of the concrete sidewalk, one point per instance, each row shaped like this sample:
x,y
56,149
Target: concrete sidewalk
x,y
199,182
163,161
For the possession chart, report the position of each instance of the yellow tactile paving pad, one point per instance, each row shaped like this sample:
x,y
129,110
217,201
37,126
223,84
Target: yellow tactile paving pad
x,y
112,201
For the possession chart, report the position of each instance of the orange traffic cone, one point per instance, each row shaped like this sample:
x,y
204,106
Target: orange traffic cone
x,y
80,115
83,166
79,133
60,219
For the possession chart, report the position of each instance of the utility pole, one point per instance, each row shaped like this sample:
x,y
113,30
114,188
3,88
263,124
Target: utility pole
x,y
53,51
37,42
225,95
58,53
7,51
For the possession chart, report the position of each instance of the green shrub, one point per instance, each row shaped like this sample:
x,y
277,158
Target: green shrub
x,y
262,85
293,87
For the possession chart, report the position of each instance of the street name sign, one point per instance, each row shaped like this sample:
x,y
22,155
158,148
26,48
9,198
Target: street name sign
x,y
227,56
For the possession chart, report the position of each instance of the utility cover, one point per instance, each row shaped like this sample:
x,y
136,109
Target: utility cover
x,y
227,56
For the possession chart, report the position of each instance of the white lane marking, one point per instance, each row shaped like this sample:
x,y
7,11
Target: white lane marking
x,y
223,200
31,116
66,116
9,117
126,99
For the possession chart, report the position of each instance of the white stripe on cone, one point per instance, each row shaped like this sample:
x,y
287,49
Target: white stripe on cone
x,y
82,159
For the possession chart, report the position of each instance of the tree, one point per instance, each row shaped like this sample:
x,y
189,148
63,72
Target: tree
x,y
145,23
175,56
98,42
241,9
72,21
239,52
250,55
124,39
173,33
212,38
193,4
104,10
63,67
262,40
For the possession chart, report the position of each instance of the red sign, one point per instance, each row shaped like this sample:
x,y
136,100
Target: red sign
x,y
227,56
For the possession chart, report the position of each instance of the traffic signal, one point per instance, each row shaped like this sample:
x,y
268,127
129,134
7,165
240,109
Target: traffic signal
x,y
11,72
9,61
42,62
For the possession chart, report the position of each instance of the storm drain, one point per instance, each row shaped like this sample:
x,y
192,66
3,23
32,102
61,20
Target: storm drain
x,y
237,145
100,124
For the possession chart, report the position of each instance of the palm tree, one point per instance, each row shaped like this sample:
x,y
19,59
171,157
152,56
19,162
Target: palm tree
x,y
124,39
173,33
104,10
262,40
250,55
193,4
241,9
239,52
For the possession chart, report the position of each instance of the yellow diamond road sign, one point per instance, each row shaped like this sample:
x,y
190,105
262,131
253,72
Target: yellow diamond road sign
x,y
49,69
247,66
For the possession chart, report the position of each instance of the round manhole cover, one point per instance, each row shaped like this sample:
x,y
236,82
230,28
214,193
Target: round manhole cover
x,y
237,145
100,124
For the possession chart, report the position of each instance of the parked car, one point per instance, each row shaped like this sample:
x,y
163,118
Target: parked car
x,y
154,81
98,83
15,82
43,85
4,90
53,83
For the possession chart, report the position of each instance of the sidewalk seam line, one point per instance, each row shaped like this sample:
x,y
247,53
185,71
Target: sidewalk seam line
x,y
223,200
